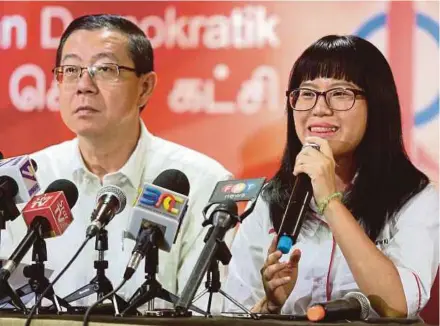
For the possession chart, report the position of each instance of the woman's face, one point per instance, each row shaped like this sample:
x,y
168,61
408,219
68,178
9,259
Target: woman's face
x,y
343,130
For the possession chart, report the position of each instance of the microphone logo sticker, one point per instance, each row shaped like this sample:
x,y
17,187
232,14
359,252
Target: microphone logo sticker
x,y
28,174
27,171
60,212
41,201
237,190
162,200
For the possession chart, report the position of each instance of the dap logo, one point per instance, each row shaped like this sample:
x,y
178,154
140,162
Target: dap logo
x,y
161,199
423,115
425,24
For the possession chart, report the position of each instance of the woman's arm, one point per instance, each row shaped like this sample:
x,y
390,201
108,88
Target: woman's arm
x,y
397,280
375,274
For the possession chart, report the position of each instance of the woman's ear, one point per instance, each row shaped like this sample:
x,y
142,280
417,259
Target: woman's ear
x,y
147,84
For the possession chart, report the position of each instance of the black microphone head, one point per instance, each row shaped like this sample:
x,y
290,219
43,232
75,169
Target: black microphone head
x,y
229,206
66,186
9,185
173,180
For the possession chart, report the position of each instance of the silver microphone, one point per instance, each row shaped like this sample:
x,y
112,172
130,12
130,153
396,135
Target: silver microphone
x,y
110,201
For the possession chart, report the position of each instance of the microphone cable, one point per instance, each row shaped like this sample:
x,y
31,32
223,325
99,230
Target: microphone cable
x,y
108,295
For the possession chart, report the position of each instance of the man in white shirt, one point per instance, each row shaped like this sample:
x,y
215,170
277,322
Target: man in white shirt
x,y
104,68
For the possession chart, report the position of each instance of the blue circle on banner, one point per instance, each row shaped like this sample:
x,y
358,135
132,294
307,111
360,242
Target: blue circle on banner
x,y
432,28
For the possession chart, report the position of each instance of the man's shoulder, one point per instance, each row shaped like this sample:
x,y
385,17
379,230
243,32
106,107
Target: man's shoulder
x,y
187,158
54,157
57,151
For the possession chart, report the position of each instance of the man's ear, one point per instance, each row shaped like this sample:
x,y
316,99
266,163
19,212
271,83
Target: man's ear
x,y
147,84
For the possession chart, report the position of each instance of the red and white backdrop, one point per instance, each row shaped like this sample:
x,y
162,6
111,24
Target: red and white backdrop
x,y
223,68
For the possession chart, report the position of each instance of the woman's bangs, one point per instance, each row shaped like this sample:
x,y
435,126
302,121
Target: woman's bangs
x,y
319,62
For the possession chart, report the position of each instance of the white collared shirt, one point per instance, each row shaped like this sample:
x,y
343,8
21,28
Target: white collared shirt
x,y
410,240
151,156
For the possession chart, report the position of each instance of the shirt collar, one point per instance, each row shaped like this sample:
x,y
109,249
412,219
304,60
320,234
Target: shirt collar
x,y
133,169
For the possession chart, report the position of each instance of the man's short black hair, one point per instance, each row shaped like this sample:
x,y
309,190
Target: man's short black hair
x,y
139,47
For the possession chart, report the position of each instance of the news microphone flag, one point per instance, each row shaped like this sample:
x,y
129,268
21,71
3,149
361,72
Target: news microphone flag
x,y
54,207
46,216
161,207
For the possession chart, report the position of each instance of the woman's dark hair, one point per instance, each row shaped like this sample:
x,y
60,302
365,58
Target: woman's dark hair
x,y
386,178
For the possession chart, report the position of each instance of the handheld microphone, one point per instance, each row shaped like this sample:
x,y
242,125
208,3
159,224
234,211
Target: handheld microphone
x,y
110,200
47,215
353,306
157,215
297,205
21,170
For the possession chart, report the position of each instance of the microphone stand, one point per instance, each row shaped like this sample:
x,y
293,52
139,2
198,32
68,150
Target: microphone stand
x,y
215,250
100,284
38,282
222,220
9,295
151,288
213,284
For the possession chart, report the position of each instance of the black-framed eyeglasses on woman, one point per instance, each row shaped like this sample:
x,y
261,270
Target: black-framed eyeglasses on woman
x,y
98,72
337,99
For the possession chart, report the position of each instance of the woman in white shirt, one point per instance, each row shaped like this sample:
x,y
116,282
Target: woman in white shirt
x,y
373,223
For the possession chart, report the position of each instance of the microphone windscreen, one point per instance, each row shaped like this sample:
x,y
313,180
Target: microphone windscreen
x,y
9,185
173,180
229,206
66,186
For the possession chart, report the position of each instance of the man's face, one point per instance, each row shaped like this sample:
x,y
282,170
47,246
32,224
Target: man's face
x,y
96,106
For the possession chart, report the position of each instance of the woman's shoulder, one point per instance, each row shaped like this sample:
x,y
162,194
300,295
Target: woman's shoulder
x,y
426,199
423,206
